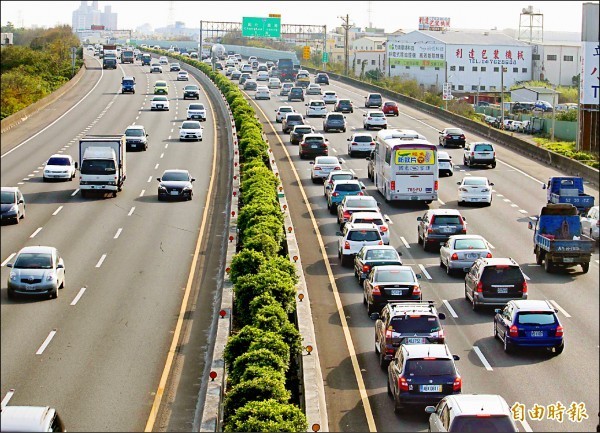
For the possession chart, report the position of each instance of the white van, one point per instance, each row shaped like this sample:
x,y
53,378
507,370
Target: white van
x,y
30,419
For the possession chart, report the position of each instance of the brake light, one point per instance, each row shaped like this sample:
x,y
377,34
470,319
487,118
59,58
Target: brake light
x,y
488,256
479,288
559,331
360,193
388,334
454,257
384,229
441,335
416,291
317,167
370,118
483,415
354,143
429,229
347,215
462,135
366,268
435,185
457,385
372,143
335,194
337,168
524,286
376,291
393,185
448,137
598,223
472,153
464,229
402,384
513,331
494,154
380,243
346,245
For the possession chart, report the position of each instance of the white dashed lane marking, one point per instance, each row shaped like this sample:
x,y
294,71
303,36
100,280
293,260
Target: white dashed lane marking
x,y
101,260
425,272
142,193
484,361
39,229
150,179
46,342
131,211
404,242
118,233
75,192
78,297
57,211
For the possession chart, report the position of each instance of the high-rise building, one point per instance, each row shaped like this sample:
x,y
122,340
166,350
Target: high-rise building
x,y
87,15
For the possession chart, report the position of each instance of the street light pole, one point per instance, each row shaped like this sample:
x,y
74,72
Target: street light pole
x,y
502,97
553,113
346,25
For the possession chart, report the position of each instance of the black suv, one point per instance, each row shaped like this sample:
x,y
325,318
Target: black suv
x,y
298,132
191,91
408,322
494,281
322,78
344,106
296,94
437,225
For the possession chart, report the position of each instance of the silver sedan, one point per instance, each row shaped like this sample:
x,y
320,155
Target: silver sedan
x,y
460,252
37,270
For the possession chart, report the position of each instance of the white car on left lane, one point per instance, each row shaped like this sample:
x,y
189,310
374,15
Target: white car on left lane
x,y
190,130
59,167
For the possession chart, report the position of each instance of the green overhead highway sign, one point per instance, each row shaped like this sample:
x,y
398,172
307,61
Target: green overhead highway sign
x,y
325,57
261,27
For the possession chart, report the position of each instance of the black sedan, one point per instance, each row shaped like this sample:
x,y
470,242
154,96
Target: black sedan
x,y
452,137
191,91
175,184
322,78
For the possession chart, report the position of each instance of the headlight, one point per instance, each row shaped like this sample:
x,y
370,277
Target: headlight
x,y
46,171
187,188
13,208
162,188
12,276
50,277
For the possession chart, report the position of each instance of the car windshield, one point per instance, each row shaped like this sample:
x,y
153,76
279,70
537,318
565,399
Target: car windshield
x,y
189,88
134,132
362,139
294,118
127,82
190,125
483,148
8,197
502,275
429,367
196,107
393,276
469,244
303,130
316,140
361,203
536,318
381,255
59,161
347,187
33,261
454,131
446,219
344,102
415,323
474,182
376,221
375,97
486,424
159,84
390,104
175,176
98,166
286,110
363,235
337,117
327,159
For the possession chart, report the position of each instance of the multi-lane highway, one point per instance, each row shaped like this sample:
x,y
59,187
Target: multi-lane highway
x,y
138,271
350,366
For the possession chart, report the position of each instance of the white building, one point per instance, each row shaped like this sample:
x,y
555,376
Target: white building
x,y
369,51
557,62
532,94
369,43
470,60
7,38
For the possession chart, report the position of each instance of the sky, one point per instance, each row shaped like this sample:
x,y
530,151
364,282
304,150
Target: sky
x,y
391,15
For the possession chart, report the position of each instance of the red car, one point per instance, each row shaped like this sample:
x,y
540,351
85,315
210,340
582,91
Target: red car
x,y
390,108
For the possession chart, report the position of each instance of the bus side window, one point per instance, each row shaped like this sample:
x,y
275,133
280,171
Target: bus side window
x,y
388,155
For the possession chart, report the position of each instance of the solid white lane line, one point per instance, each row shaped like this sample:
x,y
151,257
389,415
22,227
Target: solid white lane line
x,y
156,166
25,178
8,259
441,202
78,297
169,137
46,342
150,179
425,272
491,246
101,261
20,183
118,233
131,211
75,192
7,398
559,308
450,309
57,211
39,229
499,195
523,211
171,129
506,200
36,171
404,242
526,425
484,361
142,193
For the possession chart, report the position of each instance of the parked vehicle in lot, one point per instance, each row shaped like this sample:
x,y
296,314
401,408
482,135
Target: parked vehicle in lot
x,y
314,89
59,167
330,97
590,224
285,89
390,283
390,108
494,282
334,122
323,165
352,204
136,138
360,142
190,130
475,189
102,163
262,92
374,119
322,78
161,88
344,106
335,176
196,111
446,167
192,91
479,153
36,270
422,374
471,412
373,218
437,225
558,240
282,111
452,137
316,108
159,103
371,256
290,120
296,94
341,189
406,322
175,184
353,237
460,252
299,131
568,190
12,204
183,76
373,100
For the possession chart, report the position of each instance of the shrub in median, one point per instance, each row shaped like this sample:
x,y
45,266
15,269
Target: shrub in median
x,y
246,262
252,338
260,357
267,416
262,388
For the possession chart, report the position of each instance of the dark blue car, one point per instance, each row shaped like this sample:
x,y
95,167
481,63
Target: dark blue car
x,y
128,85
529,323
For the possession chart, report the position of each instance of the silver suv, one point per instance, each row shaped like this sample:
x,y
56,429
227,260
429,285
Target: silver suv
x,y
479,154
136,138
355,236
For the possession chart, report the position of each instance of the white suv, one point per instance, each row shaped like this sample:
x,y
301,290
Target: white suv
x,y
373,218
196,111
355,236
316,107
375,119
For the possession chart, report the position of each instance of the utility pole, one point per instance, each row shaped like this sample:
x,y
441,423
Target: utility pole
x,y
553,113
502,97
346,25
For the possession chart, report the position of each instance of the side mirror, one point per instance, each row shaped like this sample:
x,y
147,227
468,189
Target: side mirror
x,y
348,139
544,186
430,409
530,225
419,276
193,179
368,158
374,316
21,201
158,179
419,218
491,184
440,132
60,266
442,316
456,357
9,265
458,183
338,233
365,115
497,310
306,105
312,163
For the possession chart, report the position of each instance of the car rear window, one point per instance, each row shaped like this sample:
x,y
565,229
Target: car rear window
x,y
294,117
412,324
375,97
469,244
493,423
317,140
361,203
454,131
343,176
363,235
317,104
303,131
376,221
130,133
190,125
483,147
392,276
502,275
377,114
362,139
347,187
446,219
429,367
381,255
327,159
390,104
335,117
59,161
474,182
536,318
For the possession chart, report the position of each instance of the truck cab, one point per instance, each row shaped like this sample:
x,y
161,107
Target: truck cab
x,y
128,85
146,59
568,190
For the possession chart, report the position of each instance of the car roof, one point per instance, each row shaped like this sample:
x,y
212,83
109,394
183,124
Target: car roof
x,y
374,111
10,188
176,170
129,127
362,226
426,350
454,237
393,268
360,198
378,247
475,177
366,214
315,100
161,82
346,181
481,142
473,404
499,261
442,154
313,135
444,212
26,418
363,134
533,305
37,249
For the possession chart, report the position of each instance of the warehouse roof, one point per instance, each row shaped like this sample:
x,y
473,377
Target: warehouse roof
x,y
486,37
538,90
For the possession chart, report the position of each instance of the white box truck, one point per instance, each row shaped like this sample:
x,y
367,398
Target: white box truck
x,y
102,164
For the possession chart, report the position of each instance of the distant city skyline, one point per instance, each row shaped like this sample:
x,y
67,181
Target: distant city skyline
x,y
558,16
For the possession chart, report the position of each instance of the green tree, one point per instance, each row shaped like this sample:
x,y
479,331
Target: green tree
x,y
267,416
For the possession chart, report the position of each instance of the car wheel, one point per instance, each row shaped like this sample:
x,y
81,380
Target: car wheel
x,y
559,349
548,265
508,347
389,389
64,281
496,331
10,294
344,130
585,267
382,362
350,153
332,209
494,164
54,294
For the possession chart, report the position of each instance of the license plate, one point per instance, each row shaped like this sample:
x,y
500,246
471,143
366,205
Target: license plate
x,y
431,388
133,145
454,137
29,287
446,229
414,198
174,192
471,256
414,340
537,333
159,106
397,292
314,146
502,289
568,260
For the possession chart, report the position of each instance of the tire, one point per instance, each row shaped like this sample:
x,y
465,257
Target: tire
x,y
539,258
44,179
585,267
64,282
508,347
54,294
419,239
548,266
496,331
332,209
10,294
494,164
559,349
314,179
83,193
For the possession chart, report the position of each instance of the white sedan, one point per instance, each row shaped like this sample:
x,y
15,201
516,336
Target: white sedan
x,y
190,130
282,112
59,167
475,190
461,251
274,83
262,92
330,97
322,166
159,103
182,76
375,119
